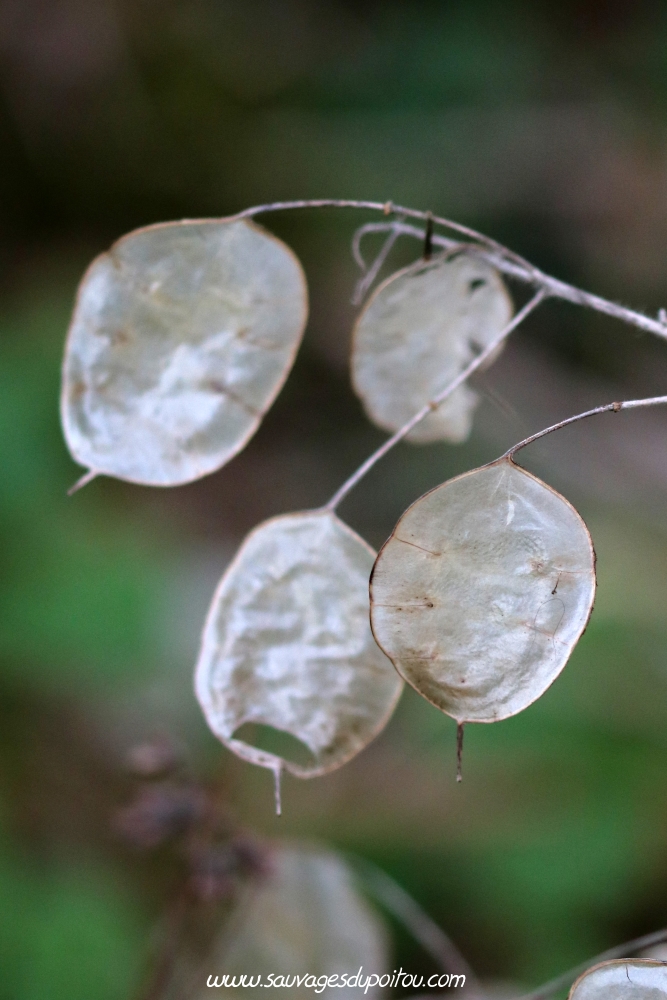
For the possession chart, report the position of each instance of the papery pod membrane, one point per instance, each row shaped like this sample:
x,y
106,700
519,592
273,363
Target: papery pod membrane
x,y
307,917
181,338
419,330
482,591
288,644
627,979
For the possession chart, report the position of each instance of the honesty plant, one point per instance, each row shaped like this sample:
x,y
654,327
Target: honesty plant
x,y
182,337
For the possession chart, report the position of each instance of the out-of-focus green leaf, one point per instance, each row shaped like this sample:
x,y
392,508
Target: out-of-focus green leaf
x,y
81,583
66,933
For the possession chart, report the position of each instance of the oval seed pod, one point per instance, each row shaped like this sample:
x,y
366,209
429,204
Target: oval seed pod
x,y
287,643
307,918
181,338
482,591
419,330
627,979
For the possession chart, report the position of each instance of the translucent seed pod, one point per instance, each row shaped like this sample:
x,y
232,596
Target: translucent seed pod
x,y
181,338
627,979
482,591
306,919
288,644
418,331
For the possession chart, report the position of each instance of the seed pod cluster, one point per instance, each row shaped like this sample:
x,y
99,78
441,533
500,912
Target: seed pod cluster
x,y
181,338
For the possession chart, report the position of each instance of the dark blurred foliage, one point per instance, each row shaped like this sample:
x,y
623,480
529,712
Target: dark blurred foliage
x,y
545,125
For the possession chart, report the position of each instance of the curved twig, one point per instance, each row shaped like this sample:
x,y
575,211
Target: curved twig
x,y
502,257
557,289
387,208
504,260
628,404
371,274
370,227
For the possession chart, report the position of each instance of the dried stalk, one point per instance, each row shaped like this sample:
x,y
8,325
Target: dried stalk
x,y
500,257
495,253
531,275
628,404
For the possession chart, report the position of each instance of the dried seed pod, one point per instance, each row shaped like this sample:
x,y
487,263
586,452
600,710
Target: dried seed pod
x,y
181,338
419,330
482,591
627,979
288,644
307,918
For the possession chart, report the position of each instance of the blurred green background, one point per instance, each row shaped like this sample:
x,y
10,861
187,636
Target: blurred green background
x,y
543,125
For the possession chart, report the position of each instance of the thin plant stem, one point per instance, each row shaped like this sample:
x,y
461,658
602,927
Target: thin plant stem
x,y
534,276
504,260
277,787
620,951
400,904
502,257
371,274
370,227
628,404
459,752
386,207
80,483
429,407
428,238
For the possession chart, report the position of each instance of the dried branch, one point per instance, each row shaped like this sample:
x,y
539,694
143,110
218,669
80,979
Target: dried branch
x,y
500,257
628,404
534,276
495,253
370,227
387,208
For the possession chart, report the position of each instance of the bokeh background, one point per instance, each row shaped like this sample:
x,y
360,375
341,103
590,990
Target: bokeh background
x,y
544,125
